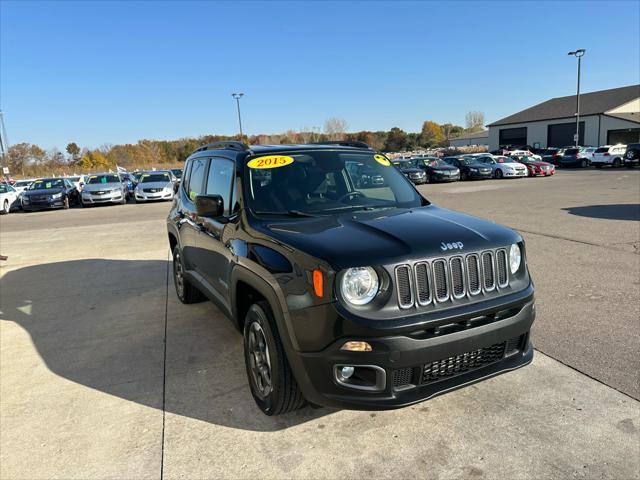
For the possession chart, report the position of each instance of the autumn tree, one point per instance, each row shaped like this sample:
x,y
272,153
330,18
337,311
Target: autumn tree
x,y
431,134
450,131
22,155
474,121
74,151
335,128
396,140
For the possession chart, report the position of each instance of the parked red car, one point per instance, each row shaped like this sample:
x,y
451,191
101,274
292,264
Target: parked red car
x,y
535,167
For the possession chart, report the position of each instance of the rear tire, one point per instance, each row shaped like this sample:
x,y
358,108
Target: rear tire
x,y
464,176
271,379
617,163
186,292
583,164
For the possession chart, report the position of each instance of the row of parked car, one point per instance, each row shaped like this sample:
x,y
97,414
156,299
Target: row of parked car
x,y
607,155
477,166
88,190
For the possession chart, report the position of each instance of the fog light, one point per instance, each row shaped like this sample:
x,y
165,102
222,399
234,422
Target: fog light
x,y
356,347
346,372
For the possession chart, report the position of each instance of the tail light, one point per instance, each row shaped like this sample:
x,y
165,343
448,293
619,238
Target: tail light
x,y
606,154
578,155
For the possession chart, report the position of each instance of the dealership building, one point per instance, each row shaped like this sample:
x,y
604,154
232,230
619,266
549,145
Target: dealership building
x,y
469,139
607,117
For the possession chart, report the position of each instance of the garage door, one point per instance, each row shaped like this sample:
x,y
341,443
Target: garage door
x,y
628,135
513,136
561,134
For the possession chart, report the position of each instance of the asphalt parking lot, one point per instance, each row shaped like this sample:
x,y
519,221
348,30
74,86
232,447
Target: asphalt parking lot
x,y
104,374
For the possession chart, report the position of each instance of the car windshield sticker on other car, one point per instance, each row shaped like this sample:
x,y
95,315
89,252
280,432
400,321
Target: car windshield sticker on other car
x,y
270,161
47,185
381,160
103,180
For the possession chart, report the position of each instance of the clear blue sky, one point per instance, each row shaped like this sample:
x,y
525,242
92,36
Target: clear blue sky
x,y
115,72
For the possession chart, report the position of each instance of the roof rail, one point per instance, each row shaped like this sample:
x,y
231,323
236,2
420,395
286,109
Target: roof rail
x,y
344,143
224,145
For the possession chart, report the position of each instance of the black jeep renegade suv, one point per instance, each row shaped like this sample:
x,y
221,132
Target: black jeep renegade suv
x,y
364,298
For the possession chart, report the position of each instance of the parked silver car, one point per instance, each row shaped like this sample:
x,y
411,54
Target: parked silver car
x,y
154,186
103,188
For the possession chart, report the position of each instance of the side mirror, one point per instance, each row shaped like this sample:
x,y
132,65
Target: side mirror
x,y
211,206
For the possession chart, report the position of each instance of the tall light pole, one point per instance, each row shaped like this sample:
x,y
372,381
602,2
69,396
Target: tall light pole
x,y
238,96
578,54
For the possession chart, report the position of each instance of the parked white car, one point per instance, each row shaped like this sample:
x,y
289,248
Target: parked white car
x,y
21,185
588,152
152,186
503,167
79,181
8,198
525,153
612,155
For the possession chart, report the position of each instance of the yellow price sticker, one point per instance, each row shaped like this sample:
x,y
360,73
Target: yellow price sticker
x,y
381,160
270,161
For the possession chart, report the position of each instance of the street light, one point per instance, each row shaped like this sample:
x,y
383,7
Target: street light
x,y
238,96
578,54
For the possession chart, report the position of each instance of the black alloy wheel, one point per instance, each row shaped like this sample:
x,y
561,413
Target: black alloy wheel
x,y
271,379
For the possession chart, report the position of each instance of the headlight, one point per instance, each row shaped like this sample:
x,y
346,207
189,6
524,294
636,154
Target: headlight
x,y
57,195
359,285
515,257
473,169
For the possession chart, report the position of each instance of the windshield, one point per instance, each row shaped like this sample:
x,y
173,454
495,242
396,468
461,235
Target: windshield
x,y
155,177
97,179
23,183
436,163
177,172
467,161
47,183
317,182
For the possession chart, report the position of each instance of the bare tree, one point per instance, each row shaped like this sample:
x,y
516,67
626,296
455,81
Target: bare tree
x,y
335,128
474,121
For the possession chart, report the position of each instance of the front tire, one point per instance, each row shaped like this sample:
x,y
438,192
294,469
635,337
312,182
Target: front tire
x,y
498,173
65,204
583,164
464,176
271,380
617,163
186,292
5,207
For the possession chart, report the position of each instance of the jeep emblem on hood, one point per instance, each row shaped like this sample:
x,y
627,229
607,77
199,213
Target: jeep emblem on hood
x,y
451,246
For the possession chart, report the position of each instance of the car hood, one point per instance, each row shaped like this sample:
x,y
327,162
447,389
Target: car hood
x,y
45,191
540,164
155,185
387,236
98,187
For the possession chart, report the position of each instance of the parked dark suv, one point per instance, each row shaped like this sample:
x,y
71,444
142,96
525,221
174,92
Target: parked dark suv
x,y
632,155
368,298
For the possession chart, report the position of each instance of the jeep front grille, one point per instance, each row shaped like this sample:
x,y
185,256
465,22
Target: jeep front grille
x,y
403,283
440,280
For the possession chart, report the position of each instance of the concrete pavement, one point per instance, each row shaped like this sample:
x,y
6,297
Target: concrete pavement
x,y
87,389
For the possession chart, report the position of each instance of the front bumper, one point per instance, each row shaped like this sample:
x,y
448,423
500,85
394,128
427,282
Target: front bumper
x,y
90,199
632,161
151,197
43,205
515,174
439,177
480,175
412,368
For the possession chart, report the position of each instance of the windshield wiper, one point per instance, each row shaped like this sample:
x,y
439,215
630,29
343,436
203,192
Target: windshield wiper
x,y
289,213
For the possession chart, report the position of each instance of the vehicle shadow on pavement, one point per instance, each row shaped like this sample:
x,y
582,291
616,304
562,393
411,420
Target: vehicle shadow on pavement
x,y
630,211
101,323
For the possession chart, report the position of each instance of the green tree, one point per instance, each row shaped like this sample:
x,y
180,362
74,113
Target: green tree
x,y
74,151
396,140
431,134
